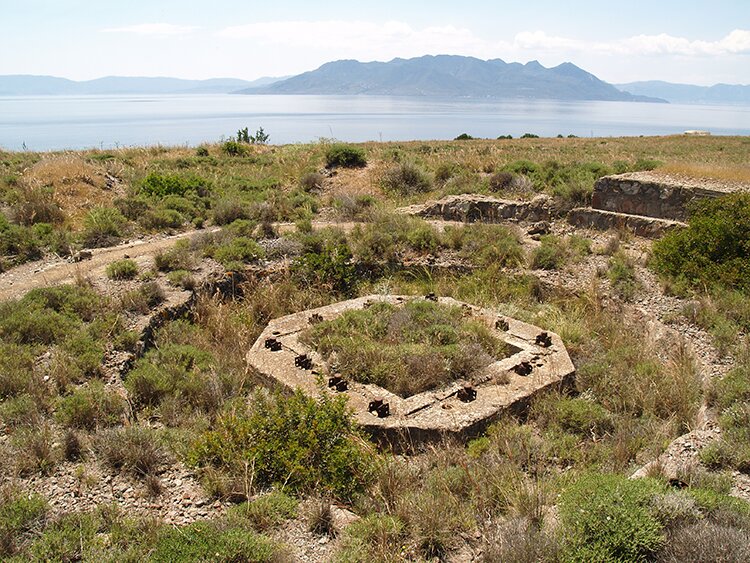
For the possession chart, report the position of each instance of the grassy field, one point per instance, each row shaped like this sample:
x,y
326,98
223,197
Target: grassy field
x,y
550,486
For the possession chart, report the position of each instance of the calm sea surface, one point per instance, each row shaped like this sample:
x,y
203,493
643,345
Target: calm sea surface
x,y
74,122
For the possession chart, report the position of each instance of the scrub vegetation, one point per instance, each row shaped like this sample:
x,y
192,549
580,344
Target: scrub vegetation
x,y
552,485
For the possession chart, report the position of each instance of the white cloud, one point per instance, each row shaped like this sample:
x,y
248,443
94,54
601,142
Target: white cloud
x,y
152,29
396,38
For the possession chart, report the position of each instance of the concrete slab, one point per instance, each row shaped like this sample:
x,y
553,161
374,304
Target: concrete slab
x,y
282,360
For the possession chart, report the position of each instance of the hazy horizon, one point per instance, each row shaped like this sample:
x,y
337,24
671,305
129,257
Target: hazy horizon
x,y
85,40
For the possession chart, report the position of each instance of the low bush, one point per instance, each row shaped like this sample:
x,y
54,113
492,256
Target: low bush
x,y
211,541
305,444
555,252
20,513
102,226
160,219
133,449
406,178
91,406
326,260
621,274
713,250
179,371
608,518
183,279
235,148
179,257
345,156
234,254
122,270
159,185
143,299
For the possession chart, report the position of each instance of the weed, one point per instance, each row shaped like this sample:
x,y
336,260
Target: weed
x,y
267,511
133,449
122,270
91,406
103,226
20,513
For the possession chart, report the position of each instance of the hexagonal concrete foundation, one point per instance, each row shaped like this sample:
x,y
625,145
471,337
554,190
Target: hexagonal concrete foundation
x,y
462,409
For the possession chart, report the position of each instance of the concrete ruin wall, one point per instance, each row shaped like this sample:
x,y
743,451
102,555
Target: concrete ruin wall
x,y
460,409
471,208
648,227
649,196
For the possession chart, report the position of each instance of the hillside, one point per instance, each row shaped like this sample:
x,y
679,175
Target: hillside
x,y
689,93
29,85
451,76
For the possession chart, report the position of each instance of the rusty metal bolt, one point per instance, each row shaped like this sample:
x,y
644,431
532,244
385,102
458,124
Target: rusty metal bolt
x,y
315,318
339,383
379,407
272,344
524,368
431,297
502,324
303,361
544,340
467,393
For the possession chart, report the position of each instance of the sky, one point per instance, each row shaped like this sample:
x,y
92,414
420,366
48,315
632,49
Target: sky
x,y
685,41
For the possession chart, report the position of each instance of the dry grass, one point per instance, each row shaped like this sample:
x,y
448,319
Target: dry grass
x,y
76,183
714,171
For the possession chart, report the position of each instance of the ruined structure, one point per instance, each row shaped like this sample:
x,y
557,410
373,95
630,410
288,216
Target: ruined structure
x,y
646,203
538,360
471,208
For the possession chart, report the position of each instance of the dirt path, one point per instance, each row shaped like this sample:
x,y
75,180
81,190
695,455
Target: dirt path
x,y
18,281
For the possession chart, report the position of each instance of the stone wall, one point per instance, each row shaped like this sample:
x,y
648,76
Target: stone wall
x,y
661,198
472,208
649,227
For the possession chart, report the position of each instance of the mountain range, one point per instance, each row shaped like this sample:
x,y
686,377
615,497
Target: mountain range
x,y
442,75
689,94
450,76
29,85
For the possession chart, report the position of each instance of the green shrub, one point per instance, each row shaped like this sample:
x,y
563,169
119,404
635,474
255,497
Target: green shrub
x,y
580,416
345,156
621,274
178,257
713,250
16,370
406,178
183,279
267,511
173,370
158,219
122,270
550,255
161,185
326,260
529,136
464,137
102,226
237,252
373,538
235,148
91,406
19,514
305,444
607,518
21,410
209,541
733,387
